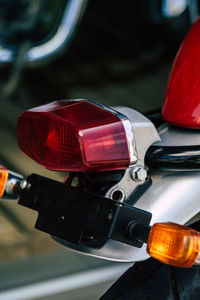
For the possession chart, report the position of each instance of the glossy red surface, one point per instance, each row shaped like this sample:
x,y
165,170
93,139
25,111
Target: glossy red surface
x,y
182,100
73,136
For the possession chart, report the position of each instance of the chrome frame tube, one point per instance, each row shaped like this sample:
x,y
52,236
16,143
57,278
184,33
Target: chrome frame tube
x,y
71,17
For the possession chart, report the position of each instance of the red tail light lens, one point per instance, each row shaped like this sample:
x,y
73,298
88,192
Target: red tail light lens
x,y
73,136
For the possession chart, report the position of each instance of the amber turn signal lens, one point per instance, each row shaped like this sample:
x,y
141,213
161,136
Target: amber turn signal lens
x,y
3,179
174,244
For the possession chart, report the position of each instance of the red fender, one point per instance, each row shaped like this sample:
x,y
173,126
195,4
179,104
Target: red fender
x,y
182,99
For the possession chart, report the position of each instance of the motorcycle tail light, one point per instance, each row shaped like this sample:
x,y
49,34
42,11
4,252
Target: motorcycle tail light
x,y
3,180
74,135
174,244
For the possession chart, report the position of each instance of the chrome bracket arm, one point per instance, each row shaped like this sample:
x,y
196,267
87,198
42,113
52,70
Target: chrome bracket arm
x,y
144,134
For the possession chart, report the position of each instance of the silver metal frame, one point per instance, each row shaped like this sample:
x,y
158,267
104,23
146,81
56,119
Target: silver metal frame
x,y
46,50
173,196
177,136
144,134
140,134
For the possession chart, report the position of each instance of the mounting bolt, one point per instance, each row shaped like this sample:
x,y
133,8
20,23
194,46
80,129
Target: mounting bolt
x,y
138,173
23,184
110,215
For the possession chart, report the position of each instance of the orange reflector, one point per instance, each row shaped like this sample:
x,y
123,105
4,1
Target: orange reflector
x,y
174,244
3,179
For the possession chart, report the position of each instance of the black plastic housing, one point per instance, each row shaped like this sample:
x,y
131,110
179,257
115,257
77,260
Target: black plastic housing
x,y
78,216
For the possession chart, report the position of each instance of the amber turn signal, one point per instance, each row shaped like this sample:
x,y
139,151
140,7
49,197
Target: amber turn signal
x,y
3,179
174,244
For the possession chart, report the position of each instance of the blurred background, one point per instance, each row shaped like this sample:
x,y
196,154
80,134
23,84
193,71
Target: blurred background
x,y
117,53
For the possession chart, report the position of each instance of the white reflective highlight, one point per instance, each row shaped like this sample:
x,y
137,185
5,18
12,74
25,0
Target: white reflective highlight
x,y
173,8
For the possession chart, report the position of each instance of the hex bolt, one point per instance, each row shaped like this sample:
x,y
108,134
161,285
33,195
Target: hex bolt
x,y
110,215
23,184
138,173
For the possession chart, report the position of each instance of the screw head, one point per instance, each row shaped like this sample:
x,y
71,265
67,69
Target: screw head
x,y
138,173
23,184
110,215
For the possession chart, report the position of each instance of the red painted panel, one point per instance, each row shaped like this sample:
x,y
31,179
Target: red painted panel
x,y
182,100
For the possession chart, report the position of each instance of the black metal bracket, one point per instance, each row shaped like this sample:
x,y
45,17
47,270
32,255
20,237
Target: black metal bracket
x,y
78,216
